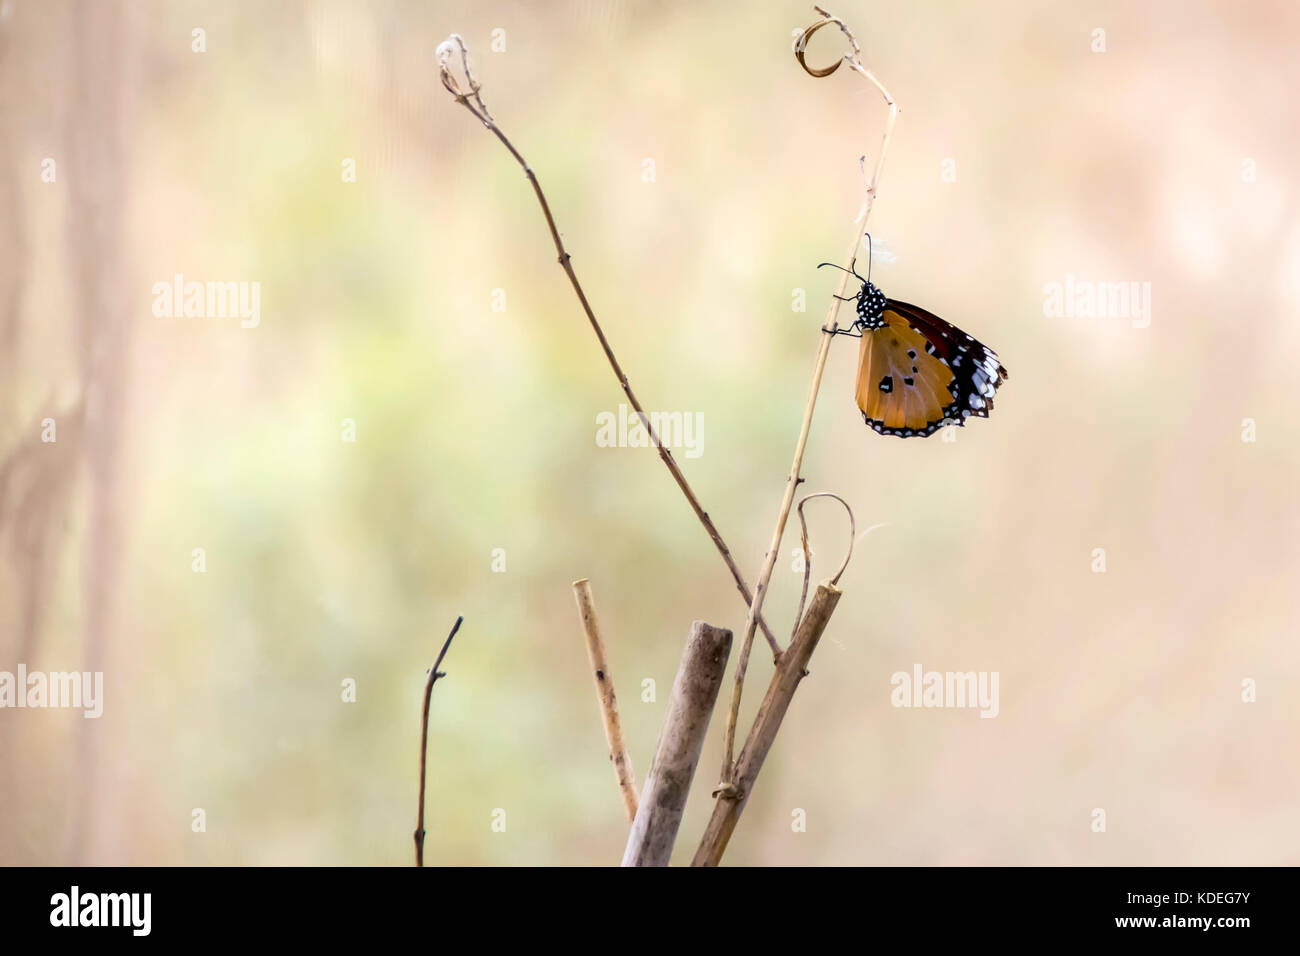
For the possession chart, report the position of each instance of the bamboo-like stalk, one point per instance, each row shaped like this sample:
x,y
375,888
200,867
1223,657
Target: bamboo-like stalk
x,y
473,101
829,329
605,696
686,722
790,670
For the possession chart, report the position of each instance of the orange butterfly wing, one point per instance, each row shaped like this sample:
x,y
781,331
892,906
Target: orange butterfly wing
x,y
903,387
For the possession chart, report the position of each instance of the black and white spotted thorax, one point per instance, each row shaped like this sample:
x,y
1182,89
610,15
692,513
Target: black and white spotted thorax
x,y
871,308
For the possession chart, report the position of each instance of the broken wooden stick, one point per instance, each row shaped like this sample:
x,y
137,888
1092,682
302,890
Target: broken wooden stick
x,y
618,754
663,799
790,670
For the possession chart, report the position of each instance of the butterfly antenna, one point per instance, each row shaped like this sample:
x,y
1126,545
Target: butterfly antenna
x,y
834,266
853,272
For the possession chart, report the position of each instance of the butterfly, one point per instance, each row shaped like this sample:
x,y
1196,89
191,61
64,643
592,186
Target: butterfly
x,y
916,372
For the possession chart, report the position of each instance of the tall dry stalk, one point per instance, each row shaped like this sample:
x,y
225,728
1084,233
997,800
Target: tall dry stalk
x,y
727,787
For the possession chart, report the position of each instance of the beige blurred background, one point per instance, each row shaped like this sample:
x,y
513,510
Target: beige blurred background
x,y
1169,159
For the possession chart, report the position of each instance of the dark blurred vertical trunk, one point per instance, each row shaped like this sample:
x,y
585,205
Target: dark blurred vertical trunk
x,y
97,137
36,479
13,270
13,238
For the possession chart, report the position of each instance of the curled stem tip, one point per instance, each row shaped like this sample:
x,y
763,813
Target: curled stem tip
x,y
807,552
801,44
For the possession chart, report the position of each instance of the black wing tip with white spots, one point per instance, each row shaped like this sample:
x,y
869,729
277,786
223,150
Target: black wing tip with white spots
x,y
979,381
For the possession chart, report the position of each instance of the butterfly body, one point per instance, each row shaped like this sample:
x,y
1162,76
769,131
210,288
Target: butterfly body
x,y
916,372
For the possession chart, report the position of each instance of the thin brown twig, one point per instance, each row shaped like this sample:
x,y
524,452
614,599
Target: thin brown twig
x,y
473,101
434,674
807,552
853,59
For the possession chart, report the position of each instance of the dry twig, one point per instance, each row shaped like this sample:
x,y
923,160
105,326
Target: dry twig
x,y
807,552
434,674
472,100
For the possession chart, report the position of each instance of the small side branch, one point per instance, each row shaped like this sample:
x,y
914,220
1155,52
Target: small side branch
x,y
790,670
618,754
807,551
434,674
695,691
